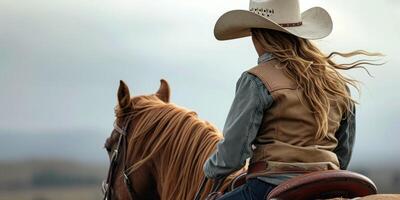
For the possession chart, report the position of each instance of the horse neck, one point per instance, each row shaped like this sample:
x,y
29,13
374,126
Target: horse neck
x,y
179,167
177,143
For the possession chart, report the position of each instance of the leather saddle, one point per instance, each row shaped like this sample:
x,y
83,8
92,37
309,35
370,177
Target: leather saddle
x,y
319,185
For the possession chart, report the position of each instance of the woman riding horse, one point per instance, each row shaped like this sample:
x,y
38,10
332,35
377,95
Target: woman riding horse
x,y
292,114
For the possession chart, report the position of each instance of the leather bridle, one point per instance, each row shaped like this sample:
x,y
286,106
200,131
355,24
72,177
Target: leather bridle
x,y
122,145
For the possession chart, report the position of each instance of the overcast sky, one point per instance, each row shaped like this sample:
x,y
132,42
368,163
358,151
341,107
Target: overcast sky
x,y
61,61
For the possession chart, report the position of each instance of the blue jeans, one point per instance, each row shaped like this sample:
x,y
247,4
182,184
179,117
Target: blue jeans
x,y
253,189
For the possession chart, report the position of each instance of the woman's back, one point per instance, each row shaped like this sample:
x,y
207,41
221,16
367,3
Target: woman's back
x,y
286,139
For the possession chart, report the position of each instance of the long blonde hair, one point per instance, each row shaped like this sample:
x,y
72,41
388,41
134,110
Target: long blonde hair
x,y
315,73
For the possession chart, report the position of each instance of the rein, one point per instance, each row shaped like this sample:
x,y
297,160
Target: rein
x,y
121,146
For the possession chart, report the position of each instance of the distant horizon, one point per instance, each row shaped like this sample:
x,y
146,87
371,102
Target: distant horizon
x,y
87,146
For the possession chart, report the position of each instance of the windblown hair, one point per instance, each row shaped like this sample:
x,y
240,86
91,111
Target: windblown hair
x,y
315,73
177,138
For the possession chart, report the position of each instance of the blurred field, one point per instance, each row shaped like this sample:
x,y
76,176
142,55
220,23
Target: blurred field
x,y
57,193
50,179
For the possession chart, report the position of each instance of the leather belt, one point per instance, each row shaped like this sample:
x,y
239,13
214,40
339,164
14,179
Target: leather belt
x,y
257,167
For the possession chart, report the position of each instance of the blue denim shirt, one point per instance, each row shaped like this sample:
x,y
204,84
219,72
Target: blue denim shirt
x,y
243,121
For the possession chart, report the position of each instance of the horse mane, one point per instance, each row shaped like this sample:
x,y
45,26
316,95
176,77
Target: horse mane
x,y
182,139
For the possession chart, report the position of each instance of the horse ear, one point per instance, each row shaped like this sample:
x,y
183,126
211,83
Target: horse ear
x,y
124,98
163,92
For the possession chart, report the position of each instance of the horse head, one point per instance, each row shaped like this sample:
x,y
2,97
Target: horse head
x,y
122,183
157,149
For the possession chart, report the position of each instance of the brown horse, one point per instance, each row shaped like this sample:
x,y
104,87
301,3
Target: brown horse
x,y
158,149
167,147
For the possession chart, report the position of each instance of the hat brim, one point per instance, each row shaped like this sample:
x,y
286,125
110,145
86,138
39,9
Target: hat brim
x,y
316,24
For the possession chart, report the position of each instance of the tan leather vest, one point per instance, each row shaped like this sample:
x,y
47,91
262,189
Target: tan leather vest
x,y
286,138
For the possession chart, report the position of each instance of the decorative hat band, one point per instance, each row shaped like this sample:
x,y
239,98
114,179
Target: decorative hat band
x,y
266,13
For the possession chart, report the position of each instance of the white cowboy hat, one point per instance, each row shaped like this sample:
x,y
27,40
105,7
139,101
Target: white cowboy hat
x,y
280,15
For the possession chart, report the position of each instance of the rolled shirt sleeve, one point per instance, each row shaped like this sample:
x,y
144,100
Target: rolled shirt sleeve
x,y
241,127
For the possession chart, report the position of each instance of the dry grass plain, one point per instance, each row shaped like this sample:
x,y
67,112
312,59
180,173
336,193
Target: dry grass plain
x,y
50,180
57,193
